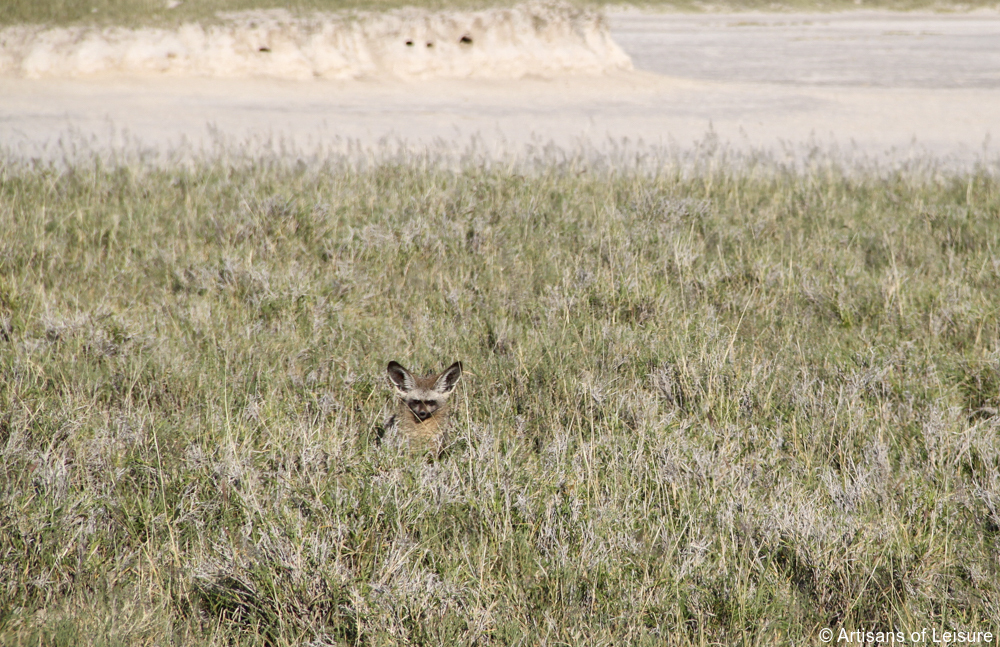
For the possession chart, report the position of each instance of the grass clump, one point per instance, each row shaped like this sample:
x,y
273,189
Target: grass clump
x,y
171,13
139,13
720,406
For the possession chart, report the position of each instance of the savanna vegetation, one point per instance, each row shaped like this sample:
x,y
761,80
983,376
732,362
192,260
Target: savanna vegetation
x,y
703,404
161,13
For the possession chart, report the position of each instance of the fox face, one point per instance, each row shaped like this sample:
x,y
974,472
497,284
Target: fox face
x,y
423,403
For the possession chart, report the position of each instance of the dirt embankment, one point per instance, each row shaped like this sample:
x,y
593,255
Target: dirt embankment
x,y
543,40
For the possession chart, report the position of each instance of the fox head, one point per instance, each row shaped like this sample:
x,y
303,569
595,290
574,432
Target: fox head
x,y
423,396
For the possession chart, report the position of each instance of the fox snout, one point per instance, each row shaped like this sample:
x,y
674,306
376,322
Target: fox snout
x,y
421,413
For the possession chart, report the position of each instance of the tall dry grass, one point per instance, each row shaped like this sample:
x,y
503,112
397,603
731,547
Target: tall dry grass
x,y
727,405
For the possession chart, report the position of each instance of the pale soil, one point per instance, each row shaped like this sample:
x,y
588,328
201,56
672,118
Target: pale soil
x,y
546,40
882,86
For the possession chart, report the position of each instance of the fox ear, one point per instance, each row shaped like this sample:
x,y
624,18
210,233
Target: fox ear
x,y
446,381
400,378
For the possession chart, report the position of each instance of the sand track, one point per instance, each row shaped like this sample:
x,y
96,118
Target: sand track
x,y
899,87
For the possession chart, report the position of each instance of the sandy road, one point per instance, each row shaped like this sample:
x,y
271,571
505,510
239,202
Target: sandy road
x,y
884,86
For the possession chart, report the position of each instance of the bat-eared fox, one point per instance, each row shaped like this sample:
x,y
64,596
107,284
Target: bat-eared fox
x,y
422,414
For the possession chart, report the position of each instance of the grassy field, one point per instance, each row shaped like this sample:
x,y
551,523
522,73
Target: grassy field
x,y
717,406
134,13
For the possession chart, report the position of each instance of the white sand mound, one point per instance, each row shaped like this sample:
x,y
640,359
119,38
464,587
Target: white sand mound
x,y
544,40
